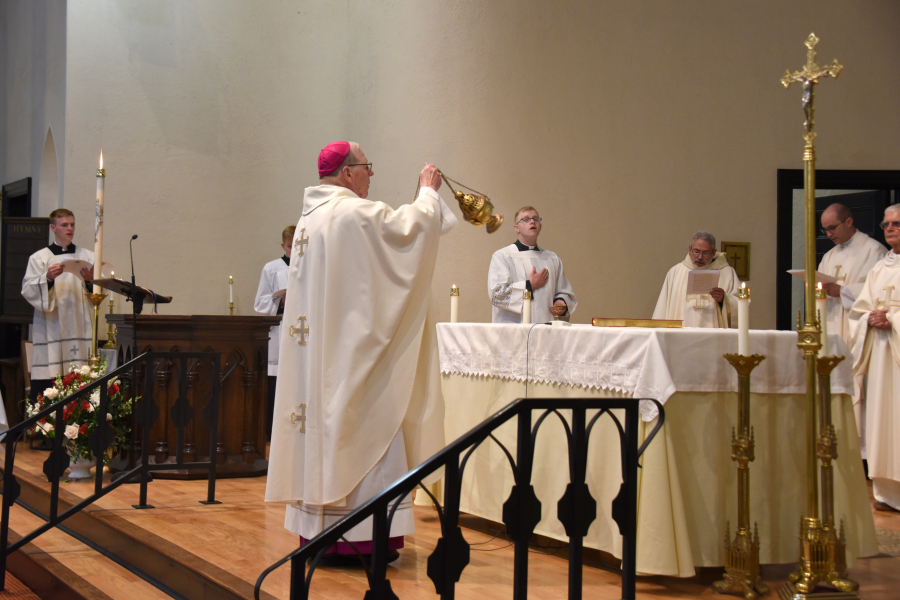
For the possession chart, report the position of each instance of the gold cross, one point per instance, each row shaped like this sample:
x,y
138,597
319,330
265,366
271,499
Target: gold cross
x,y
808,77
699,299
887,302
301,241
303,330
301,417
837,274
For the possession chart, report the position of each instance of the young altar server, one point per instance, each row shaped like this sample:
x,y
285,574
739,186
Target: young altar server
x,y
358,400
61,331
270,301
718,308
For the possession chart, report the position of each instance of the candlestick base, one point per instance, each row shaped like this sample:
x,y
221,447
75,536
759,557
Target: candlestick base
x,y
95,300
231,308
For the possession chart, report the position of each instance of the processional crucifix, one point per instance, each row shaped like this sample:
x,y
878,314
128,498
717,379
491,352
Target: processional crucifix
x,y
822,547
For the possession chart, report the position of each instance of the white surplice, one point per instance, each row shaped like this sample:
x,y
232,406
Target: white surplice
x,y
699,310
272,279
876,353
358,356
61,330
510,268
850,262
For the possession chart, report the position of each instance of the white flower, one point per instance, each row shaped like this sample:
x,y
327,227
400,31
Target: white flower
x,y
108,417
85,370
46,427
94,375
71,431
95,398
51,393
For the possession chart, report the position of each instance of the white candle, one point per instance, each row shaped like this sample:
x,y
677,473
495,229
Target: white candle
x,y
822,308
230,289
744,320
454,304
526,307
98,226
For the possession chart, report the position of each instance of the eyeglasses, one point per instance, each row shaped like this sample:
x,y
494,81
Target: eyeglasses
x,y
703,253
368,166
827,230
894,224
527,219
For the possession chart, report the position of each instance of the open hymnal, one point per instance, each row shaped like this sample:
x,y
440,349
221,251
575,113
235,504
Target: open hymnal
x,y
820,277
702,281
75,265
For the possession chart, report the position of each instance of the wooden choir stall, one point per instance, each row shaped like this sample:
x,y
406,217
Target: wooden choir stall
x,y
242,343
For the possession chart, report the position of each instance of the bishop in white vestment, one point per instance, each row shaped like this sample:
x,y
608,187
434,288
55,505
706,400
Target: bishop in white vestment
x,y
718,308
853,256
272,280
358,400
875,333
61,330
521,262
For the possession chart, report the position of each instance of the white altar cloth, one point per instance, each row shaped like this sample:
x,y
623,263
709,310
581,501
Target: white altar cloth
x,y
687,483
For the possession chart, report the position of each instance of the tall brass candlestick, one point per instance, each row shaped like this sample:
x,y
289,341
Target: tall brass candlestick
x,y
95,300
742,554
818,551
110,329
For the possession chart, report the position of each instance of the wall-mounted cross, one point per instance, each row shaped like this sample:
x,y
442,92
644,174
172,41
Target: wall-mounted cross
x,y
303,330
301,418
301,241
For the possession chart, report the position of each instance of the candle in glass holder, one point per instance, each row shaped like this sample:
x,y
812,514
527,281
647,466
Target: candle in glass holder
x,y
454,304
744,320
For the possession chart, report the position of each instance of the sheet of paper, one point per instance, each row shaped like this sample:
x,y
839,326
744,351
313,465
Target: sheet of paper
x,y
279,293
820,277
702,281
74,266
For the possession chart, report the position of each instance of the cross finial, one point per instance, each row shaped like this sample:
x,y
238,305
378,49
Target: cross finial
x,y
808,77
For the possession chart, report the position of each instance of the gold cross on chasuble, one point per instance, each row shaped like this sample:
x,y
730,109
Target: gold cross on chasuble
x,y
837,275
301,418
887,302
301,241
698,300
303,330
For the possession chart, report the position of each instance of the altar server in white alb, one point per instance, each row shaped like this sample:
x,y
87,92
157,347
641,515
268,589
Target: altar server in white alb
x,y
270,301
358,400
61,332
521,262
718,308
853,256
875,334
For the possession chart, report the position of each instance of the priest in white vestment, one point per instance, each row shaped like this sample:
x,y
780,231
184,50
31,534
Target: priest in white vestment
x,y
61,331
875,333
522,263
853,256
358,400
270,301
718,307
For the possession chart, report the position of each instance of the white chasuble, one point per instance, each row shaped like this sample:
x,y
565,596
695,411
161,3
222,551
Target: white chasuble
x,y
272,279
876,352
358,357
699,310
850,262
61,331
510,268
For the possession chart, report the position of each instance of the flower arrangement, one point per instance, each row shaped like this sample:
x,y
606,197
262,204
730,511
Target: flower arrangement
x,y
79,418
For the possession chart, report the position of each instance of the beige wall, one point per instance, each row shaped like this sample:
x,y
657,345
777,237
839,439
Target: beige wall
x,y
628,124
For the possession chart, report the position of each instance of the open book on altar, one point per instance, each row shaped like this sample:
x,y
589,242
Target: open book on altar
x,y
820,277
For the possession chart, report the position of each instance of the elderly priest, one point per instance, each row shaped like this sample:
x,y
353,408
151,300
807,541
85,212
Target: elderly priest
x,y
711,309
358,399
875,334
62,313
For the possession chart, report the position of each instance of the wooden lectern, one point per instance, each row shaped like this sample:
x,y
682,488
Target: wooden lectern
x,y
243,345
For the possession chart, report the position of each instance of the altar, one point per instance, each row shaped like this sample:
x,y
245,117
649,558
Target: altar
x,y
687,482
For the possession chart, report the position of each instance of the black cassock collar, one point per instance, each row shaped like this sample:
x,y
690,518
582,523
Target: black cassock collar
x,y
523,248
286,260
56,249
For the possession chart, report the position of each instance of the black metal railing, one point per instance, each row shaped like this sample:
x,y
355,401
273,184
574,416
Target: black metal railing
x,y
576,510
145,415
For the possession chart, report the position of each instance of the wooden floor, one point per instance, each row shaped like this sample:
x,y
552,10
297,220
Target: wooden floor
x,y
237,539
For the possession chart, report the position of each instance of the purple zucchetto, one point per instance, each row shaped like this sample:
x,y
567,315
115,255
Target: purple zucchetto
x,y
331,157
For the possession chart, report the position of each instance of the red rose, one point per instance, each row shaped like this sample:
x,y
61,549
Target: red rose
x,y
85,405
113,389
82,430
69,379
66,412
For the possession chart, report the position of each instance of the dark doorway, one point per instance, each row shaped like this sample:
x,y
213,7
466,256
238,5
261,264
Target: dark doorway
x,y
866,193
